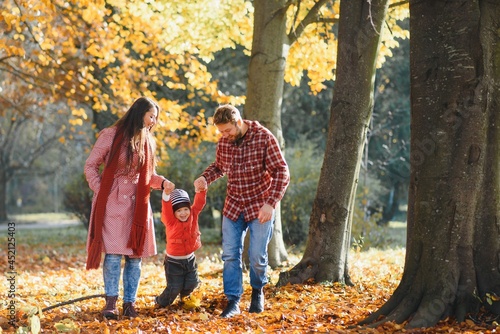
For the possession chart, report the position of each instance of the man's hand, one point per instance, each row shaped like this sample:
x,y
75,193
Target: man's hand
x,y
265,213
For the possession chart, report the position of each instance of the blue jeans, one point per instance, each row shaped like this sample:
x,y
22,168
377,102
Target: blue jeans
x,y
111,271
233,237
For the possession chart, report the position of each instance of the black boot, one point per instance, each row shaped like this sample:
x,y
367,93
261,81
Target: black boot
x,y
110,311
257,304
231,309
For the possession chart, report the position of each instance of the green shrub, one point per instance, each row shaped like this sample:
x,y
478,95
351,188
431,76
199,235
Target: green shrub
x,y
304,161
78,198
365,232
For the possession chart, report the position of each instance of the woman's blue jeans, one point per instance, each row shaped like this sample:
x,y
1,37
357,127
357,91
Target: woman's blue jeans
x,y
233,237
131,275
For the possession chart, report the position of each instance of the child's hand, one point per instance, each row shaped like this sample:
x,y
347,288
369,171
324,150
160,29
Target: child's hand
x,y
168,187
165,196
200,184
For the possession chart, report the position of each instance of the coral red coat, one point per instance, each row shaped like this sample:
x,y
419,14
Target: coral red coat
x,y
121,202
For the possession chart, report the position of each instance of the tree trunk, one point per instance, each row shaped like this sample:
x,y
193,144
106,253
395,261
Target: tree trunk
x,y
265,88
453,237
326,254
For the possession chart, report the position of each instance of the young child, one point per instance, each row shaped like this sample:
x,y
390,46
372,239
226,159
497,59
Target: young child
x,y
183,239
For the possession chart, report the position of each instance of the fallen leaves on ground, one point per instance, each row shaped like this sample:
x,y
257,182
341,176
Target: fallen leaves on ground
x,y
47,276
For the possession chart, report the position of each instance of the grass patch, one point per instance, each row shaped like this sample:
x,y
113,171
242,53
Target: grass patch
x,y
397,232
59,237
41,217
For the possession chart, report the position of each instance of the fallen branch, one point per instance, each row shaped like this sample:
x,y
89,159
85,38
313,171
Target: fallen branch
x,y
71,302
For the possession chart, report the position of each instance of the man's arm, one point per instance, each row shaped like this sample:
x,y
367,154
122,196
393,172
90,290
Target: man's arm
x,y
278,169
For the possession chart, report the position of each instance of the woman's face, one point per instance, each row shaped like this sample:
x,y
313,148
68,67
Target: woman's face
x,y
150,118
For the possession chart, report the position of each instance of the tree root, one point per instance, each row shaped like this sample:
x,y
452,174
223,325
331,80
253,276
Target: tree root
x,y
298,274
48,308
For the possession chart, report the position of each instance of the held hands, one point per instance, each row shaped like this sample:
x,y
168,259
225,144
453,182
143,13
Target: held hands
x,y
200,184
265,213
168,187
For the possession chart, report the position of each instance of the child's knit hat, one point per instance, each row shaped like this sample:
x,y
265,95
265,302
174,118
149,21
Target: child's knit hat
x,y
179,199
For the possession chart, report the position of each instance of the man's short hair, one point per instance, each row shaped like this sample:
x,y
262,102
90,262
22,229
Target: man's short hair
x,y
226,114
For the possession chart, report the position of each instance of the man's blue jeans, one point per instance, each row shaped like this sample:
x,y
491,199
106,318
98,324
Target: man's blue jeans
x,y
131,274
233,237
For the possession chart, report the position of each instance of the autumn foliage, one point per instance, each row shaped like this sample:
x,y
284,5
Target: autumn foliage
x,y
82,57
54,272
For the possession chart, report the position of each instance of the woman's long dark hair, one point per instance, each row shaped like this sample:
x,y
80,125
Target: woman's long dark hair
x,y
134,132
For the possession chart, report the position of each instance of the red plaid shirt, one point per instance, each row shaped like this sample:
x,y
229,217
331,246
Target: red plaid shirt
x,y
256,170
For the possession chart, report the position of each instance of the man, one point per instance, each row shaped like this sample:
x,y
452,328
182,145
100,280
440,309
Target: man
x,y
258,176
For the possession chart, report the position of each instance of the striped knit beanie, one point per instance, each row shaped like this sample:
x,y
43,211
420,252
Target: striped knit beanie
x,y
179,199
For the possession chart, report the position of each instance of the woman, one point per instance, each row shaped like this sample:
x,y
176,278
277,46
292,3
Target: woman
x,y
121,223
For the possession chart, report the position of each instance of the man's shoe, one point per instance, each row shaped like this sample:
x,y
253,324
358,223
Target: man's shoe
x,y
231,309
257,303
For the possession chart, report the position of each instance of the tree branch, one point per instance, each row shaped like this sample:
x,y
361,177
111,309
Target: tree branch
x,y
397,4
311,17
71,302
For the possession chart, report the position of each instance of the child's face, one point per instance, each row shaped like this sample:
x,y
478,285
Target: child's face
x,y
182,214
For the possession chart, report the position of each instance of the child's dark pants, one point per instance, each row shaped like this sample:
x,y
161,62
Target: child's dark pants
x,y
182,279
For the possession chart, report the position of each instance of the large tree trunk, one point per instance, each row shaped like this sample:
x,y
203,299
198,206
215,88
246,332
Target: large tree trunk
x,y
265,88
326,253
453,239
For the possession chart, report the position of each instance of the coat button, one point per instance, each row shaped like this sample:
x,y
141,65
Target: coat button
x,y
125,196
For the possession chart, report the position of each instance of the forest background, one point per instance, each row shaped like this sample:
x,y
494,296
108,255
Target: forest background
x,y
48,130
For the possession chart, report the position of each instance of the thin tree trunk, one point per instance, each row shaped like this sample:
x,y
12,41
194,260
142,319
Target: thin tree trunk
x,y
453,236
326,255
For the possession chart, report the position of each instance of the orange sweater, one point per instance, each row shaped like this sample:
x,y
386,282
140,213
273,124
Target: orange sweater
x,y
183,238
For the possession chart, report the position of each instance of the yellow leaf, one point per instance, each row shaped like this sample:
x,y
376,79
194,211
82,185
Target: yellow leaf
x,y
67,326
469,322
191,302
35,324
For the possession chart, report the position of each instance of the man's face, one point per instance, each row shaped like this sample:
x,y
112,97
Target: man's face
x,y
231,131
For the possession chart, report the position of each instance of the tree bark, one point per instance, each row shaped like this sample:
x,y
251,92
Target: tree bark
x,y
453,237
326,255
265,88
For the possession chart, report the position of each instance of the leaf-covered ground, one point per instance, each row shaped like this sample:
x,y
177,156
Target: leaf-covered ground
x,y
51,271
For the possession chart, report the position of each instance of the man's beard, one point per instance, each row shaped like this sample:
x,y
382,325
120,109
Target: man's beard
x,y
237,136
